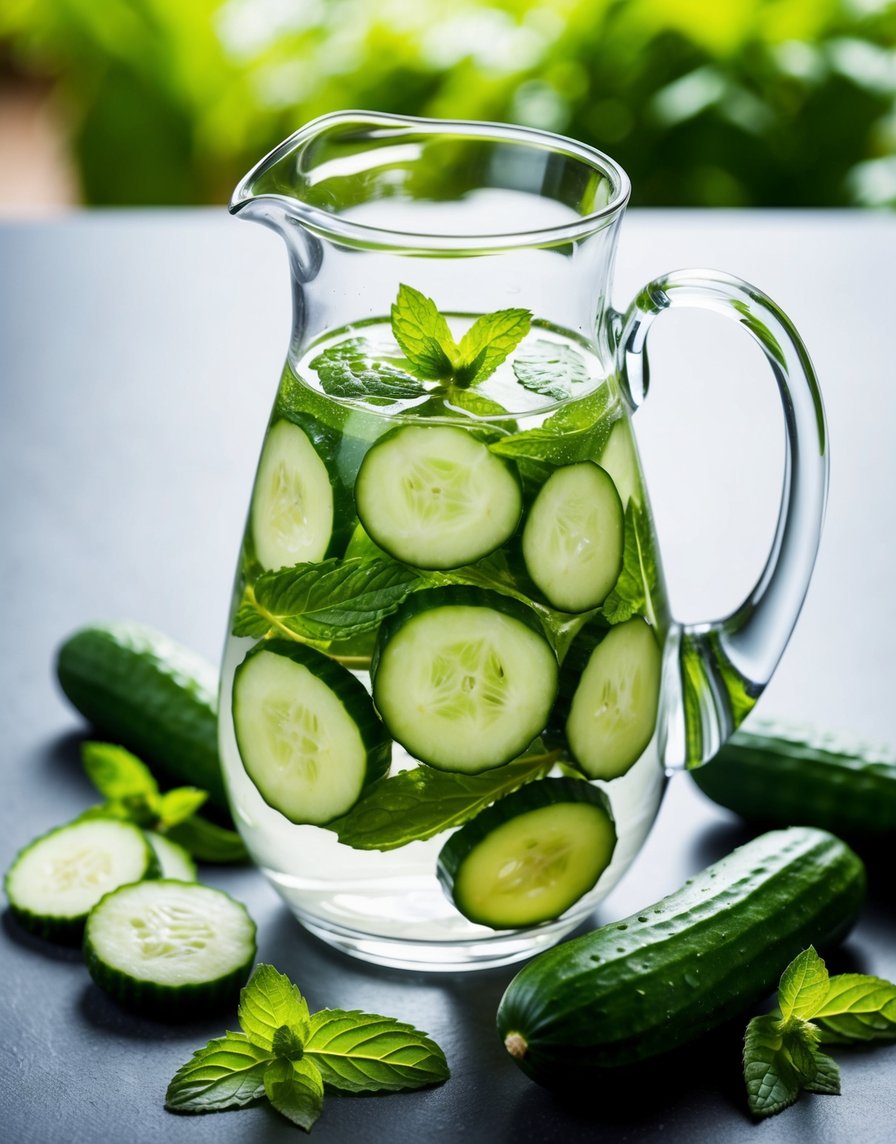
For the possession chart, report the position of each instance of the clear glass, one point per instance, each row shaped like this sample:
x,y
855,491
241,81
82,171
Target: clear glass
x,y
479,218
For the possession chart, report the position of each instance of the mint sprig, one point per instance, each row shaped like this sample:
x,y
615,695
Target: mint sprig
x,y
290,1057
781,1054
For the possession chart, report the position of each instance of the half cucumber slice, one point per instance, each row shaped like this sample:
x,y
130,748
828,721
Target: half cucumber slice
x,y
54,882
435,497
292,502
175,861
573,537
531,855
613,678
307,731
170,948
463,678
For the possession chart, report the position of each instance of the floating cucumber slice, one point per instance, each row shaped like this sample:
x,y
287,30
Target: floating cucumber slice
x,y
620,460
54,882
173,859
307,731
613,710
170,947
292,502
573,537
531,855
435,497
463,678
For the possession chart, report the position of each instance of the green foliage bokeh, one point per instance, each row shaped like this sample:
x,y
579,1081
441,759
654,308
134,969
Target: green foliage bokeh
x,y
704,102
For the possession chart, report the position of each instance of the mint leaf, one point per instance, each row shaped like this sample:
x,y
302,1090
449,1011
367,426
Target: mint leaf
x,y
268,1002
208,842
550,368
422,802
287,1044
363,1052
471,401
296,1090
116,773
227,1073
350,370
488,342
423,334
638,583
858,1008
332,599
178,805
773,1082
803,987
576,432
827,1075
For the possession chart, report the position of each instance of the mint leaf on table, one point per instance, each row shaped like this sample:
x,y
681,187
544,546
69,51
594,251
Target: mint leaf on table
x,y
423,334
115,772
227,1073
328,600
296,1089
781,1054
550,368
350,369
422,802
363,1052
288,1056
488,342
638,582
207,841
176,806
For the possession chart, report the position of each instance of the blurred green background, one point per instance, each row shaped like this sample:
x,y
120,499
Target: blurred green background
x,y
704,102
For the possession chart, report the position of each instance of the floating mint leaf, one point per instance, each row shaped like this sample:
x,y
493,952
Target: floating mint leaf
x,y
227,1073
576,432
471,401
773,1082
269,1002
488,342
858,1008
423,802
803,988
550,368
115,772
636,588
296,1090
329,600
363,1052
350,369
423,334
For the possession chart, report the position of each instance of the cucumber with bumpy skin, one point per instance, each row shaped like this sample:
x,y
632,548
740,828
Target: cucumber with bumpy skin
x,y
170,948
463,678
785,775
151,695
308,735
637,988
531,855
55,881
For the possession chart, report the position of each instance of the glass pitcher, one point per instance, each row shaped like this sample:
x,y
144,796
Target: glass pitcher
x,y
452,687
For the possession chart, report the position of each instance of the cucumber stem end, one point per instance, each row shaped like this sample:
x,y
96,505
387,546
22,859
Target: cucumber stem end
x,y
516,1045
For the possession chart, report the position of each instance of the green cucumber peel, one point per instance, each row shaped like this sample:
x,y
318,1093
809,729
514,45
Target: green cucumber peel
x,y
781,1053
422,802
285,1054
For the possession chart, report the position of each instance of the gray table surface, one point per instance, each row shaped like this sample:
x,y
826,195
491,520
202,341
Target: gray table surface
x,y
138,358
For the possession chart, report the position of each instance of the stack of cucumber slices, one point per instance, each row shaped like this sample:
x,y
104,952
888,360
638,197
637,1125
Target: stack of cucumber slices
x,y
465,672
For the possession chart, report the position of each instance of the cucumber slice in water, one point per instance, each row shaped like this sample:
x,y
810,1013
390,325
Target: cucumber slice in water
x,y
170,947
54,882
307,731
292,502
463,678
435,497
613,711
620,460
573,537
531,855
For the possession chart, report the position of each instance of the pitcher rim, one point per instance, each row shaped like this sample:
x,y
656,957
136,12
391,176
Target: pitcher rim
x,y
340,228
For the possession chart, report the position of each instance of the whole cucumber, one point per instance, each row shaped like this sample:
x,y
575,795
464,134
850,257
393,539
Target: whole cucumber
x,y
789,776
151,695
640,987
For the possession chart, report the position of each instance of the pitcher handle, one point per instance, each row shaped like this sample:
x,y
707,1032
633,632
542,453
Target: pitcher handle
x,y
715,671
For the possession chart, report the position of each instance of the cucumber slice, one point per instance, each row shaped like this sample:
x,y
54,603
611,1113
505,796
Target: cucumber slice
x,y
620,459
307,731
613,711
463,678
54,882
292,502
170,948
573,537
531,855
435,497
174,860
